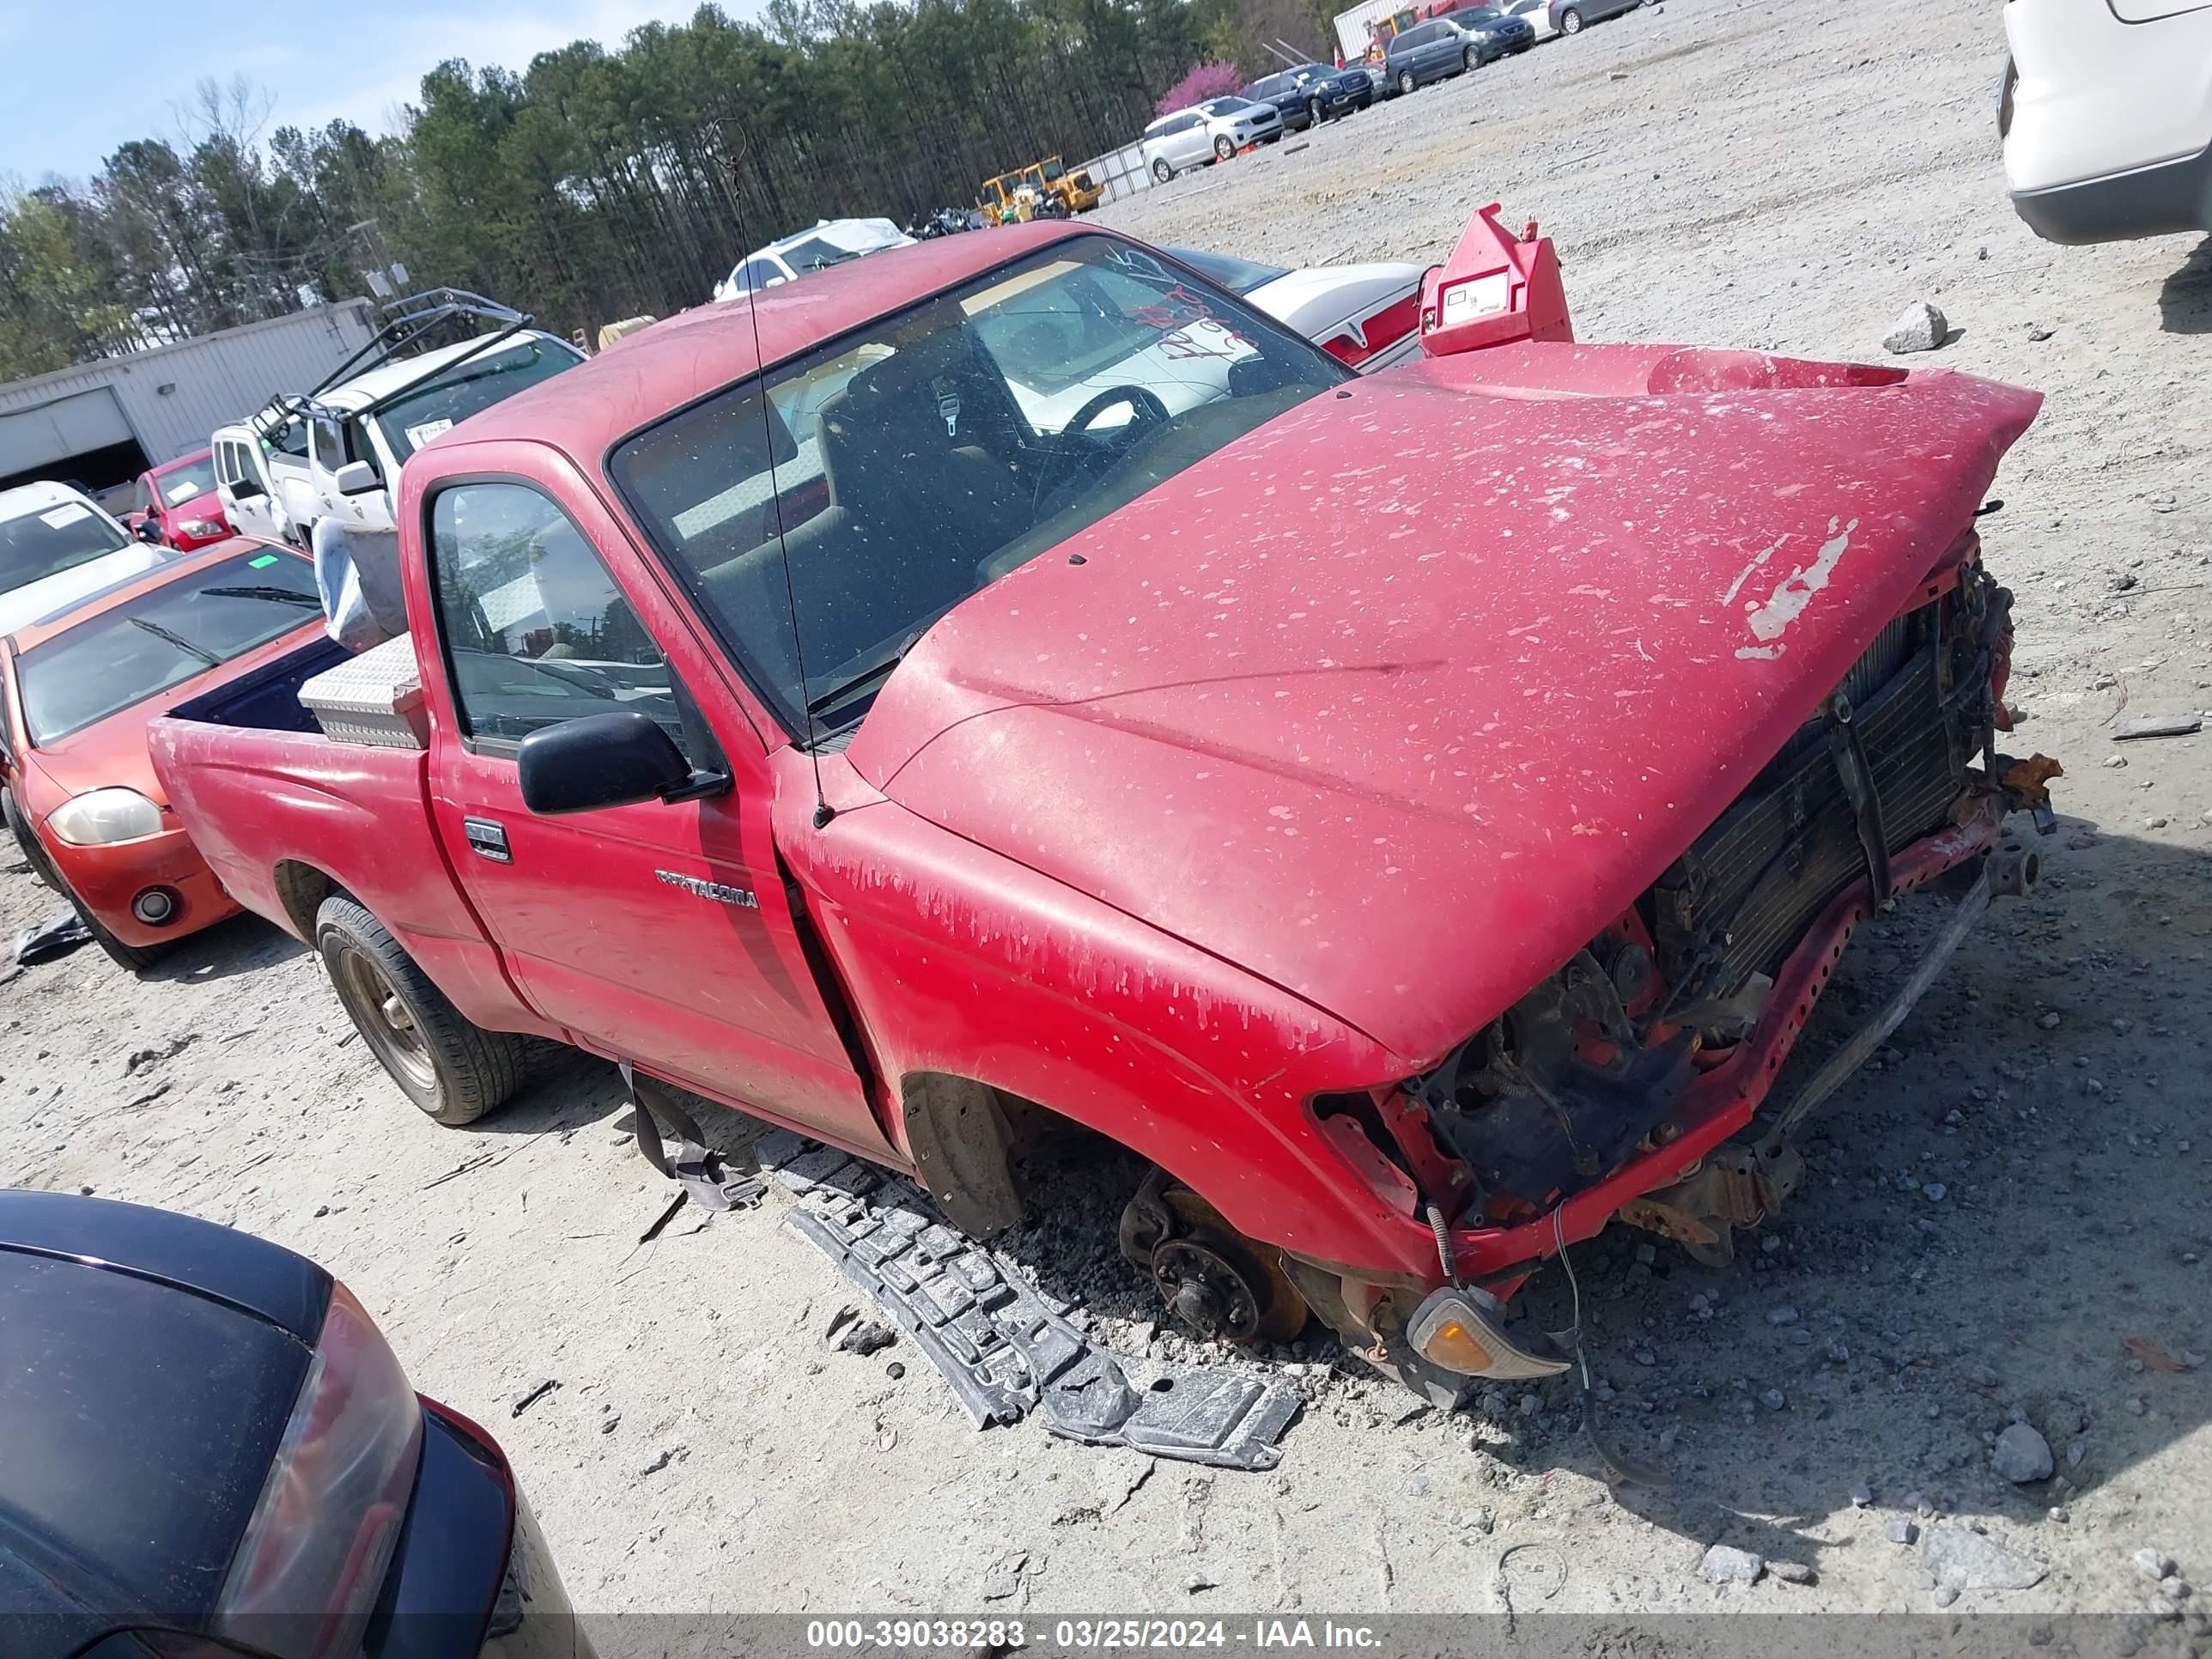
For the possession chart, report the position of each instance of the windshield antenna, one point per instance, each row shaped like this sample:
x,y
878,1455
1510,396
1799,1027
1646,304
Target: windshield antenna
x,y
731,156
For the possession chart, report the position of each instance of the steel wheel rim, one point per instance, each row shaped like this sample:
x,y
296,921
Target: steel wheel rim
x,y
385,1022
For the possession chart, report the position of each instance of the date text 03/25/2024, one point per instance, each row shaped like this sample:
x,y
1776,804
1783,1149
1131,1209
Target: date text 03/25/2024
x,y
1084,1635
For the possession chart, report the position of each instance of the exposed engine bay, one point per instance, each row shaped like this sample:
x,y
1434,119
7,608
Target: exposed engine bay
x,y
1569,1082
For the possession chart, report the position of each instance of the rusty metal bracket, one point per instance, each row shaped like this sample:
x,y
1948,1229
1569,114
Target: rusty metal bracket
x,y
1735,1186
1856,772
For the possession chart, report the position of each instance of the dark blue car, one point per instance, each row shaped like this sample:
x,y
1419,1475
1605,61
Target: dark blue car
x,y
206,1448
1313,93
1450,45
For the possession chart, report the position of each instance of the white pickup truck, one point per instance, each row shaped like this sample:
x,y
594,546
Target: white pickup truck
x,y
335,451
360,433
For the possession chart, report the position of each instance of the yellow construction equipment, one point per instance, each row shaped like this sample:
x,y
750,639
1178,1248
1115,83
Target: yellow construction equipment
x,y
1012,197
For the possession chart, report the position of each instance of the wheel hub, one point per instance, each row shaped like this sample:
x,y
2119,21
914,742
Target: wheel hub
x,y
1205,1289
385,1020
1213,1279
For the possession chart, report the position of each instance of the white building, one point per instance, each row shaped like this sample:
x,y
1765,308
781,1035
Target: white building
x,y
101,425
1352,26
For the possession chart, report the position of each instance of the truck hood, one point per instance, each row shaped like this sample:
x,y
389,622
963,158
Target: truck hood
x,y
1399,699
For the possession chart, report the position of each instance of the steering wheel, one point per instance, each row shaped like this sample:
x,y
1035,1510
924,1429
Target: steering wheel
x,y
1144,404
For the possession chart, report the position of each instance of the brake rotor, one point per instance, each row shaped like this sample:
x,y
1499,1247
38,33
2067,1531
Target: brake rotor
x,y
1218,1283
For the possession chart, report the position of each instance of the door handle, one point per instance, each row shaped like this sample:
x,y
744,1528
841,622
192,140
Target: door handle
x,y
487,839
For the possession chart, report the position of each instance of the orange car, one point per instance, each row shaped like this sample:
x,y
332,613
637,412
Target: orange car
x,y
80,686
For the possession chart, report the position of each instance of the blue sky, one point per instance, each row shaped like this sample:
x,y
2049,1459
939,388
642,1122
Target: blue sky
x,y
76,80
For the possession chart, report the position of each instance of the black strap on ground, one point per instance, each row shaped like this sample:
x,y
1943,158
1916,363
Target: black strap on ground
x,y
697,1167
1856,773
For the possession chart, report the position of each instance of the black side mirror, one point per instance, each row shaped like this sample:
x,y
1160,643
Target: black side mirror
x,y
149,531
614,759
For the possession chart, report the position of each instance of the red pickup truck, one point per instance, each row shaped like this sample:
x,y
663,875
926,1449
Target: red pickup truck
x,y
1011,679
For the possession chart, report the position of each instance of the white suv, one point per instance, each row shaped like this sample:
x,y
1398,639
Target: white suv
x,y
1208,132
2106,117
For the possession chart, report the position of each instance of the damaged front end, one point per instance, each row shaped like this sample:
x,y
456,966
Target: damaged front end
x,y
1634,1080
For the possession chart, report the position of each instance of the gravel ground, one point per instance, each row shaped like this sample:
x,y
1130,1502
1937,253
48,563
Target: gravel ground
x,y
2013,1194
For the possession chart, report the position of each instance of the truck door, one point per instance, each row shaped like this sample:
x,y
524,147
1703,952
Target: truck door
x,y
657,933
243,502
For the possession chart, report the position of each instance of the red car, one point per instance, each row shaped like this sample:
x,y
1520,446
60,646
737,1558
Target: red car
x,y
179,503
81,798
1416,812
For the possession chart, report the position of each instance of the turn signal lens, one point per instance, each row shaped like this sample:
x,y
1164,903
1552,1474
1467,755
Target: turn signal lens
x,y
1455,1347
1462,1329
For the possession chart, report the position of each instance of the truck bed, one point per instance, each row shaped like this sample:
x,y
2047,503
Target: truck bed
x,y
285,816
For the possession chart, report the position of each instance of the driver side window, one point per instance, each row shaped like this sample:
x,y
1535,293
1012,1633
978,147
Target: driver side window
x,y
536,629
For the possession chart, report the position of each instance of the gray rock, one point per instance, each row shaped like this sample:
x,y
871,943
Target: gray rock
x,y
1782,1316
1919,327
1789,1572
1726,1564
2022,1454
1862,1496
2152,1563
1936,1192
1901,1531
1956,1555
1946,1593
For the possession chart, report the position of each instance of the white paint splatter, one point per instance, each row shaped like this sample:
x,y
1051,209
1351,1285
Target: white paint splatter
x,y
1795,590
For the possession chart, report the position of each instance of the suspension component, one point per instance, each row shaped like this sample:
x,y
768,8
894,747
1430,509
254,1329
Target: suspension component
x,y
1218,1283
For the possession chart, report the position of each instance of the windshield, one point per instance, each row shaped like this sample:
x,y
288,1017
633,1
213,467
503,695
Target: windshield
x,y
1238,276
162,638
414,418
1225,106
923,456
181,483
53,539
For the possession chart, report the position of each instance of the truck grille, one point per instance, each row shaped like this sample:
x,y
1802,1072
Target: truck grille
x,y
1740,900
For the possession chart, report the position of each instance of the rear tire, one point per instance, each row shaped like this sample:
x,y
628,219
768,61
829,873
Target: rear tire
x,y
1162,172
1570,21
451,1068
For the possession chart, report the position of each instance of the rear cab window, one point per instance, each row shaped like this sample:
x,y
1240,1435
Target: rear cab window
x,y
161,638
